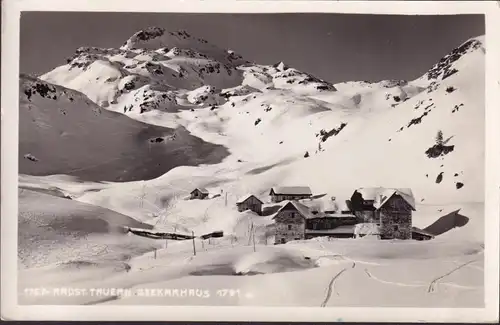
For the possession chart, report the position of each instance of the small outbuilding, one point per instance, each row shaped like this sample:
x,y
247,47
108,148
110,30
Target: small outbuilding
x,y
199,193
250,202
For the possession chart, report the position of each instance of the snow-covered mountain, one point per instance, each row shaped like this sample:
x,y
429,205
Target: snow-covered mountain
x,y
148,70
254,127
360,133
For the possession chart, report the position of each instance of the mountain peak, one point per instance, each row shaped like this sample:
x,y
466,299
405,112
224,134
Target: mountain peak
x,y
150,37
147,34
447,65
158,38
280,66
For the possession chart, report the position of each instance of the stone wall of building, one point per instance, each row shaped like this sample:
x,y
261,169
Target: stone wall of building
x,y
290,225
396,219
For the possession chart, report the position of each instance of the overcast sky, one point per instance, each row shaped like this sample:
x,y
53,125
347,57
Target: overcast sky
x,y
334,47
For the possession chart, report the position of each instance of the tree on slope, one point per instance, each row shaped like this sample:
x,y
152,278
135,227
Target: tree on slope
x,y
439,138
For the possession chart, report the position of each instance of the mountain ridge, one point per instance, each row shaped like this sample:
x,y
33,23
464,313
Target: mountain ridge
x,y
273,113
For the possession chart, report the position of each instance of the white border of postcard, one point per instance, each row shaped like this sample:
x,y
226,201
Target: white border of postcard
x,y
11,10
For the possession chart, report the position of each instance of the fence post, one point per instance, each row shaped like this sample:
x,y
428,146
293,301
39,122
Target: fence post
x,y
250,234
194,245
253,237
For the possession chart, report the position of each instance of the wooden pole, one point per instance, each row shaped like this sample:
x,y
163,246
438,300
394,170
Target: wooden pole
x,y
253,236
250,234
194,245
225,200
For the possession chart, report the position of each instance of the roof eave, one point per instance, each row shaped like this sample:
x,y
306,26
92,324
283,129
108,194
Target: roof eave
x,y
292,203
246,199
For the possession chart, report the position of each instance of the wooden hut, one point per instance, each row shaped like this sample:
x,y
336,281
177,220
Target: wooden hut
x,y
250,202
199,193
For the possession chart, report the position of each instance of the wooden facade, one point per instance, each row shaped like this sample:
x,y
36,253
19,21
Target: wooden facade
x,y
290,224
323,221
338,232
333,226
198,193
251,203
289,193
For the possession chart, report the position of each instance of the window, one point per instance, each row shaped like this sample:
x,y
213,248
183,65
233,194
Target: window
x,y
282,240
289,227
395,227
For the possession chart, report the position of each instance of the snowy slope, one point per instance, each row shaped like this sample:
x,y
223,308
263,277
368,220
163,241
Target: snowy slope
x,y
53,230
279,276
64,132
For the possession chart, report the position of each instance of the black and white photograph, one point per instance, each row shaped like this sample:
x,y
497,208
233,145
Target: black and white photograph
x,y
315,159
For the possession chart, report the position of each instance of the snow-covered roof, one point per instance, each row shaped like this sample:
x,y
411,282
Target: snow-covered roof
x,y
380,195
301,208
201,189
384,196
313,205
325,204
306,208
292,190
338,230
246,197
369,193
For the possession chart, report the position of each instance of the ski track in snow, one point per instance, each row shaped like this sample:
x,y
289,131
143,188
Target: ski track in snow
x,y
434,283
371,276
331,285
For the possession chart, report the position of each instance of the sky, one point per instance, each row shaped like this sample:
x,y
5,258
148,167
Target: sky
x,y
333,47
